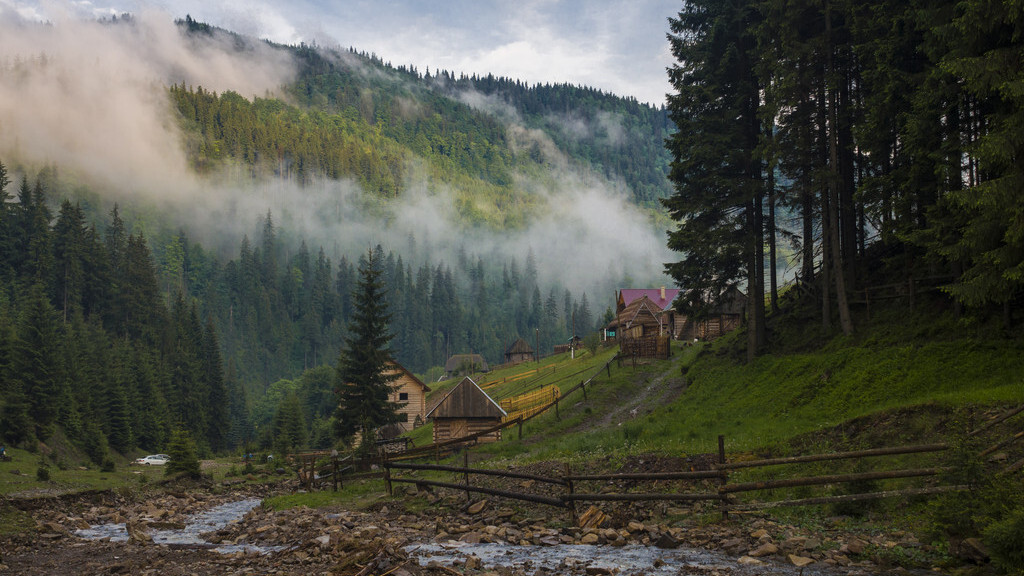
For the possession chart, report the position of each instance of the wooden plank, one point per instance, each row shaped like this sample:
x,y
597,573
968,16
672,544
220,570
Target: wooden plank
x,y
831,479
639,497
850,497
550,501
922,448
685,475
482,471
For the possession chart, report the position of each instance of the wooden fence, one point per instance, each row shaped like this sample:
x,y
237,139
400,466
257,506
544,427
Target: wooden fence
x,y
714,484
530,403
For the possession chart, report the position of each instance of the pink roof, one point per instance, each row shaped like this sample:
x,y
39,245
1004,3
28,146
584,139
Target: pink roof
x,y
654,294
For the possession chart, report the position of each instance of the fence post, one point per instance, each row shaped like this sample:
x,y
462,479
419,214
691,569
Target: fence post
x,y
520,427
334,470
387,477
465,467
570,504
608,368
583,385
557,416
721,460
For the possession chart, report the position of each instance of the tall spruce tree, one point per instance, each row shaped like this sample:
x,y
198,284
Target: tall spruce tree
x,y
716,170
361,377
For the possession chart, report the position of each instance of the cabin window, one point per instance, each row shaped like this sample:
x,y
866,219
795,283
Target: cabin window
x,y
403,396
403,417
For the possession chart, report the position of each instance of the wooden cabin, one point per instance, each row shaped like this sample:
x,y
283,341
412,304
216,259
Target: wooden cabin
x,y
464,365
466,409
725,316
660,297
411,395
519,351
642,329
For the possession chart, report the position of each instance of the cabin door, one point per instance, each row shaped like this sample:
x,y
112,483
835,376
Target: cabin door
x,y
460,428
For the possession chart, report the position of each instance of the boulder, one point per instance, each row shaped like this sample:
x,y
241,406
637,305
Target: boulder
x,y
766,549
800,561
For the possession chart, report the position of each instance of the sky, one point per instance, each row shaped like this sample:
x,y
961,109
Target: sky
x,y
618,46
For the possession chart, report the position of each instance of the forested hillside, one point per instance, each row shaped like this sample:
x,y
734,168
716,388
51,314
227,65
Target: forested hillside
x,y
119,326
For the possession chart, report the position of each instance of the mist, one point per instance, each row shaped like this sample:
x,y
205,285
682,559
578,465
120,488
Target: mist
x,y
91,98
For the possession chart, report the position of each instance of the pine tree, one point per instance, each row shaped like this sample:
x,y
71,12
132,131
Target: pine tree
x,y
362,381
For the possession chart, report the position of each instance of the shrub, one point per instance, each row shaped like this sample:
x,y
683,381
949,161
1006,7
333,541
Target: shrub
x,y
1005,542
108,466
43,473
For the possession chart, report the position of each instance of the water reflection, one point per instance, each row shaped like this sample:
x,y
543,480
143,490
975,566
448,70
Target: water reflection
x,y
630,560
195,524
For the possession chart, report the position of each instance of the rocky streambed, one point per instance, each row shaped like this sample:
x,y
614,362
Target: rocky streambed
x,y
443,538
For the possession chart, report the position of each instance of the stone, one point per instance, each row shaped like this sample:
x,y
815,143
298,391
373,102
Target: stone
x,y
800,561
766,549
590,538
733,545
635,527
812,544
667,542
855,546
474,563
758,534
597,571
477,507
749,561
471,538
137,533
972,550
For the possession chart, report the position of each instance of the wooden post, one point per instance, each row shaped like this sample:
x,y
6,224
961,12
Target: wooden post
x,y
557,417
608,368
721,460
520,427
465,466
569,503
911,288
583,385
334,470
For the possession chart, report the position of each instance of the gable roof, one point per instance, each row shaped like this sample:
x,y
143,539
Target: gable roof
x,y
456,361
520,346
629,295
638,310
466,400
416,380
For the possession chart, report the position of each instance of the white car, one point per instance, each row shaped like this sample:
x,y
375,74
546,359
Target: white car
x,y
153,460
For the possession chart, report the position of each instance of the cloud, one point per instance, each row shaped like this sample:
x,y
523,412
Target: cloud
x,y
92,97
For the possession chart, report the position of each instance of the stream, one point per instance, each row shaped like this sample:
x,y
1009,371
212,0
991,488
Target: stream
x,y
633,560
196,524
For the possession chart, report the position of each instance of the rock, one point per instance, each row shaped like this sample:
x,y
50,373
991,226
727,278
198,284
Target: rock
x,y
749,561
733,545
137,533
812,544
597,571
474,563
800,561
758,534
471,538
766,549
665,541
477,507
855,546
972,550
590,538
635,527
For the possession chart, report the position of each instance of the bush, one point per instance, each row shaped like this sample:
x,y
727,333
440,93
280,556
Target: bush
x,y
1005,542
43,473
108,466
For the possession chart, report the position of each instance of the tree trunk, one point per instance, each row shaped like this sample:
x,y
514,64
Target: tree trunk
x,y
773,277
835,183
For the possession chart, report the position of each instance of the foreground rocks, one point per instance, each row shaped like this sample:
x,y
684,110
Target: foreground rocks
x,y
345,542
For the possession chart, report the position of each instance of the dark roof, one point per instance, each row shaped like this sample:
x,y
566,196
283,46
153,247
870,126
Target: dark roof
x,y
457,360
466,400
520,346
732,301
630,295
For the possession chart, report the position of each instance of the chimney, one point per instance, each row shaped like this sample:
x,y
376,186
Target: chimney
x,y
662,292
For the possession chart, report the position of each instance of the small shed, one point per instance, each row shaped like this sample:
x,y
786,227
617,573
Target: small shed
x,y
410,393
466,409
519,351
724,316
464,365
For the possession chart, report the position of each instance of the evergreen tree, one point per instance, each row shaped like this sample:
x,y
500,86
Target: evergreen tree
x,y
716,170
35,364
362,379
